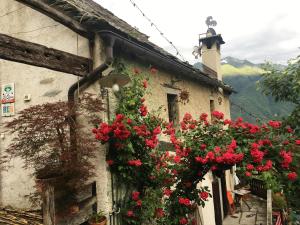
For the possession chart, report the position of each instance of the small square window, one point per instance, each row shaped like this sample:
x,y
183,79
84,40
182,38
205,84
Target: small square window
x,y
172,108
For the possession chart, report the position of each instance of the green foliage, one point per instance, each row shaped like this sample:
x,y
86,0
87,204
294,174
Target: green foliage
x,y
278,201
97,217
284,86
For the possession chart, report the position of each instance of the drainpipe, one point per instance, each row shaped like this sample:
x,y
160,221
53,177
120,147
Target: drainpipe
x,y
86,81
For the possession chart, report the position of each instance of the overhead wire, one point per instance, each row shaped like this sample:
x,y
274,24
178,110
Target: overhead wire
x,y
158,29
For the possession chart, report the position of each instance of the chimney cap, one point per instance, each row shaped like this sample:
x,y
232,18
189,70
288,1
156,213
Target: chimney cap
x,y
210,40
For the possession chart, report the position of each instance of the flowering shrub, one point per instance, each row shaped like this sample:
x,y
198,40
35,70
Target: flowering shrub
x,y
164,180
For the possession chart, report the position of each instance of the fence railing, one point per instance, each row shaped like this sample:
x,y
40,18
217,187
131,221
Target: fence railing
x,y
258,188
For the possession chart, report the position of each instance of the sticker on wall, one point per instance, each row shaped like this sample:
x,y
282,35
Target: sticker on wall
x,y
8,93
8,109
8,99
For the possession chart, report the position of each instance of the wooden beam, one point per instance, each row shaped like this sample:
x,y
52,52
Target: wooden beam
x,y
17,50
58,16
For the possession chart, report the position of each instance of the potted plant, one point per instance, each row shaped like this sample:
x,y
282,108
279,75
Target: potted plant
x,y
98,219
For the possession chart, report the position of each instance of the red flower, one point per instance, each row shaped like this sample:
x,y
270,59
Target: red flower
x,y
218,115
136,163
157,130
204,195
130,213
202,146
145,84
177,159
143,110
292,176
250,167
248,174
274,124
167,192
187,117
184,201
139,203
287,159
159,213
110,162
203,117
119,117
297,142
183,221
227,122
289,130
135,195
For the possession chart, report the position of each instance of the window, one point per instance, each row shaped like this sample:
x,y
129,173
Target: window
x,y
172,108
212,107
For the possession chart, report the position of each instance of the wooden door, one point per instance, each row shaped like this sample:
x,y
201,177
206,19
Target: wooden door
x,y
224,194
217,202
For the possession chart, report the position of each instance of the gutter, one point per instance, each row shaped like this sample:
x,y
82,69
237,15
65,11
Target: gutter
x,y
155,57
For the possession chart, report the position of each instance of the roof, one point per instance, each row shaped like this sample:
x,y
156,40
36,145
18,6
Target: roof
x,y
20,217
94,17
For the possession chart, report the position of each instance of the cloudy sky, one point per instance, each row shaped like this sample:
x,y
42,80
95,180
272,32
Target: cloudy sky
x,y
256,30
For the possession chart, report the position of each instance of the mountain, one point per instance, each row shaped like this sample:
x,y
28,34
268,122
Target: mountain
x,y
249,102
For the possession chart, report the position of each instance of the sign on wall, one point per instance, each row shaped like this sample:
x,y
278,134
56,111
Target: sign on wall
x,y
8,99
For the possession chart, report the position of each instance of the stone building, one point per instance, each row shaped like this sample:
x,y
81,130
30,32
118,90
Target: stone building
x,y
49,47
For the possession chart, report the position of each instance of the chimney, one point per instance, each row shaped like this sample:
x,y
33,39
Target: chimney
x,y
210,45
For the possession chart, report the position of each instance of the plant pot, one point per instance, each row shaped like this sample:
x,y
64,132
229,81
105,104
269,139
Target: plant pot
x,y
104,222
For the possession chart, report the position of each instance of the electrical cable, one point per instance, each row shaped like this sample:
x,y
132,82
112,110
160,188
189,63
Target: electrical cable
x,y
156,27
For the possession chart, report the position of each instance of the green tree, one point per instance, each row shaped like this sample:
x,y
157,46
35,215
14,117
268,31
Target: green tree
x,y
284,85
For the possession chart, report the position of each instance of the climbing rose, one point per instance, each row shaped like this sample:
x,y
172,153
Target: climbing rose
x,y
203,117
183,221
218,115
139,203
202,146
250,167
274,124
184,201
167,192
297,142
292,176
110,162
177,159
135,195
130,213
159,213
143,110
248,174
204,195
135,163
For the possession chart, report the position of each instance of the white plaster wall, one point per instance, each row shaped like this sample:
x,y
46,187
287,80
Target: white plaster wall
x,y
20,21
17,182
208,212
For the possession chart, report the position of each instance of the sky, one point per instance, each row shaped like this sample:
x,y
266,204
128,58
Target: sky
x,y
256,30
